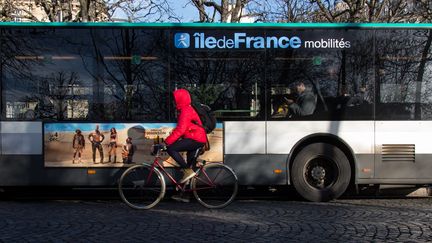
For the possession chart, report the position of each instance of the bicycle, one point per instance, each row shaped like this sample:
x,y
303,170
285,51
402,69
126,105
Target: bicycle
x,y
143,186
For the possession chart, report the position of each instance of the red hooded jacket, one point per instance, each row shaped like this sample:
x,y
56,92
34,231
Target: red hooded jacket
x,y
185,127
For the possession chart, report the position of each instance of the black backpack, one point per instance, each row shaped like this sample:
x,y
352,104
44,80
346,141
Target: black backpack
x,y
207,117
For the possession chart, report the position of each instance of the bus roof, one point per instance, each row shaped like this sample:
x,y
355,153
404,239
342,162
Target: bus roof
x,y
225,25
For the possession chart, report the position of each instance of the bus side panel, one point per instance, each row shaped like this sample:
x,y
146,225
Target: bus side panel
x,y
403,150
254,169
22,162
29,170
21,138
247,137
245,152
282,136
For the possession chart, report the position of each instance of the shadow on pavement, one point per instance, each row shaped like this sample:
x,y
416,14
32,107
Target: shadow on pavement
x,y
245,193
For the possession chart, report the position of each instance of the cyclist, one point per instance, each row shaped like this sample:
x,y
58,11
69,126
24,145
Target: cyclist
x,y
187,136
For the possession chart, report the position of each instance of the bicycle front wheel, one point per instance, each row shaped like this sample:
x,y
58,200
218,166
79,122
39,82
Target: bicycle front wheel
x,y
142,187
215,185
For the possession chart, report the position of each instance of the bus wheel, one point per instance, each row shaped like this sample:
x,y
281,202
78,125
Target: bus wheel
x,y
320,172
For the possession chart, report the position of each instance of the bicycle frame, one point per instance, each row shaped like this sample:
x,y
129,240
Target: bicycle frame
x,y
179,186
203,180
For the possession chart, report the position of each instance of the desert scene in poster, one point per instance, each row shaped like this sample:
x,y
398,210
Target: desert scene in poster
x,y
59,151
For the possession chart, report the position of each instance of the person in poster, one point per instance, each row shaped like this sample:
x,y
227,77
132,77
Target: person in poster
x,y
78,144
128,151
113,145
96,138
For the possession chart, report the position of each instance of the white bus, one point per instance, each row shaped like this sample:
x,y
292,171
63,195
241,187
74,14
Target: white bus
x,y
321,107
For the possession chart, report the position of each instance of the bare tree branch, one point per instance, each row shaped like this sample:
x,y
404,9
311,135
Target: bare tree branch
x,y
88,10
227,10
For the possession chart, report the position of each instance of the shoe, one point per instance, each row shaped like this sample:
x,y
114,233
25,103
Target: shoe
x,y
188,174
180,198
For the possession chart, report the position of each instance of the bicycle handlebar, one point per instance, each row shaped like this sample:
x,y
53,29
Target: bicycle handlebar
x,y
158,148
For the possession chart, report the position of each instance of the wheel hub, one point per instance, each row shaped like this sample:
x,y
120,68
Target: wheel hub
x,y
318,173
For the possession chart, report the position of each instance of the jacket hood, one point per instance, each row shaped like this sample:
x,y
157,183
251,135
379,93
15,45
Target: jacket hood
x,y
182,98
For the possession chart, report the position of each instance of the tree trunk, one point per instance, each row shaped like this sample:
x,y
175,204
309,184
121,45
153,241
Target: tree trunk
x,y
224,11
236,11
420,73
128,45
201,10
84,13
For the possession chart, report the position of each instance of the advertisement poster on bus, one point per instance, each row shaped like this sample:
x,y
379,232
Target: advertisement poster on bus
x,y
113,144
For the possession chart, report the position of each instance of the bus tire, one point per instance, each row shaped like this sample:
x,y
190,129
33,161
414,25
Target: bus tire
x,y
320,172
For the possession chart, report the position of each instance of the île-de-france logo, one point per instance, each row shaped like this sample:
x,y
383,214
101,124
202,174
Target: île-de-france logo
x,y
182,40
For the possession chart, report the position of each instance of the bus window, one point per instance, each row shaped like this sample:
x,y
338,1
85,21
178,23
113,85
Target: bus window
x,y
134,74
338,83
230,81
405,79
45,74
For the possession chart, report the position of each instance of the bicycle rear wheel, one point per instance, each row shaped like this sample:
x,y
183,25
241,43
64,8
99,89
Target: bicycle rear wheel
x,y
215,185
140,187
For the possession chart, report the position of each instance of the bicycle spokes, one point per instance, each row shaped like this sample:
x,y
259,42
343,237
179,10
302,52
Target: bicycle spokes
x,y
215,186
141,187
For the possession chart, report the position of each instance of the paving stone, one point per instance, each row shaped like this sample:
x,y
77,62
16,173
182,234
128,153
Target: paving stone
x,y
348,220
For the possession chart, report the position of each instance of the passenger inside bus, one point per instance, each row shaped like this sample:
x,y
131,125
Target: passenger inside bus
x,y
346,99
359,98
305,103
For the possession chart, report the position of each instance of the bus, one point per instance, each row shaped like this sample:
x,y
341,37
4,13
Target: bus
x,y
321,107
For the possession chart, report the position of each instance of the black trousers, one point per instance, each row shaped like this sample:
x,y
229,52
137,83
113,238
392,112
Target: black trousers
x,y
184,145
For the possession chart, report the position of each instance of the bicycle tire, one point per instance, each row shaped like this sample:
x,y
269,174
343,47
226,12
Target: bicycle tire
x,y
133,186
210,187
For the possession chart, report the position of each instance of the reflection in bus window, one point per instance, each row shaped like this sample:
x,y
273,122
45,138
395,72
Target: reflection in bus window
x,y
58,74
45,74
337,80
405,79
133,74
231,83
